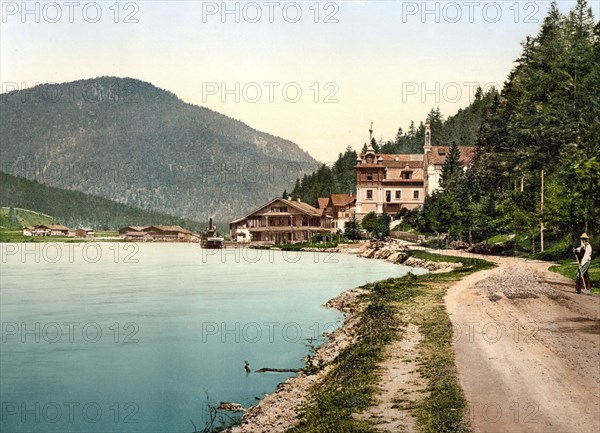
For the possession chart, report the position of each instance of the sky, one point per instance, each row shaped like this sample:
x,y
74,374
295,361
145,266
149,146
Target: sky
x,y
316,73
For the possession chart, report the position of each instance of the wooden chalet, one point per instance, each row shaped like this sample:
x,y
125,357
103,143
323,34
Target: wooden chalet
x,y
282,221
169,233
50,230
341,208
85,232
157,233
134,233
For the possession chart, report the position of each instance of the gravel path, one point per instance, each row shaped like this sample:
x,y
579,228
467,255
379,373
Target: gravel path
x,y
527,349
518,282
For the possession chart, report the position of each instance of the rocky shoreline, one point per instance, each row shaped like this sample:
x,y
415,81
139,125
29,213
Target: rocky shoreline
x,y
278,411
397,251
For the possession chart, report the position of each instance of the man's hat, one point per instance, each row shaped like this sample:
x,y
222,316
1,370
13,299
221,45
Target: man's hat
x,y
584,236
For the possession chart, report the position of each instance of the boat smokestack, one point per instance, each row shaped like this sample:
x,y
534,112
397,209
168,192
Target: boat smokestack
x,y
210,223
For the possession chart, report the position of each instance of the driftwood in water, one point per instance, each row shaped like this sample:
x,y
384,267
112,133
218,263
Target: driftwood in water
x,y
231,407
278,370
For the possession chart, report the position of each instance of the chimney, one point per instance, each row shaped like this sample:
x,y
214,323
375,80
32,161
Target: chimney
x,y
289,198
298,199
210,223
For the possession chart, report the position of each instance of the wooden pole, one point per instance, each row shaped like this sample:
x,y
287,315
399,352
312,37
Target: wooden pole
x,y
542,216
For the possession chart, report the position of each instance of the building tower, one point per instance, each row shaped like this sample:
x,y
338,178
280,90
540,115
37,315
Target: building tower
x,y
370,174
427,145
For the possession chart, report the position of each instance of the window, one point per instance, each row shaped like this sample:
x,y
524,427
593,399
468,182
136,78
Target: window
x,y
416,194
369,176
369,194
388,196
407,174
398,194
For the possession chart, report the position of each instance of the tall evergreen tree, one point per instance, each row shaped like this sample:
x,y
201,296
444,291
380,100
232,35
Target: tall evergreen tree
x,y
452,170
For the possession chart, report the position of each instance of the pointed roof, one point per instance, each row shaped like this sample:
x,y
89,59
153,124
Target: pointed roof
x,y
322,202
299,205
133,228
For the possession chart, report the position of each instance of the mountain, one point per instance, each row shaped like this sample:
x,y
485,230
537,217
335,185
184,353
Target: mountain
x,y
74,209
129,141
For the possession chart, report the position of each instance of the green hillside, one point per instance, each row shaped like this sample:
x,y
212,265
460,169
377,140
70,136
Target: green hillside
x,y
73,209
16,218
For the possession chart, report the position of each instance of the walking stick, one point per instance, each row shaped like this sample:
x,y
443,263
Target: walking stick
x,y
581,273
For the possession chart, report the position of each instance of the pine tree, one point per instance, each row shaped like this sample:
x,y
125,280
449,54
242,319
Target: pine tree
x,y
452,170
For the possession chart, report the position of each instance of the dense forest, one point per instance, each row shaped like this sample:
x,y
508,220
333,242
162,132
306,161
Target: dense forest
x,y
76,209
543,127
543,124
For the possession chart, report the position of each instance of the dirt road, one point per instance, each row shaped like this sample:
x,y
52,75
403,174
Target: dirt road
x,y
527,364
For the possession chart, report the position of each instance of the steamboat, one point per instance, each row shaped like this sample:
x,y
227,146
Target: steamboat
x,y
210,237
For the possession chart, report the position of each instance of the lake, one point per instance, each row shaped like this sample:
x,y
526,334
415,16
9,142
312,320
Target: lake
x,y
120,337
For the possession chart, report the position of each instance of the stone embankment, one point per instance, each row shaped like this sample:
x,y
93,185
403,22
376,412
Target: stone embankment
x,y
397,251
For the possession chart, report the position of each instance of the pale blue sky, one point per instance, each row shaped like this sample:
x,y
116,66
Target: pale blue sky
x,y
377,56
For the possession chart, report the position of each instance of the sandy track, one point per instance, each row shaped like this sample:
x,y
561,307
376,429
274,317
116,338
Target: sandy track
x,y
527,365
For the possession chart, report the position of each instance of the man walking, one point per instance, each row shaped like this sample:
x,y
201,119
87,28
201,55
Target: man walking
x,y
585,252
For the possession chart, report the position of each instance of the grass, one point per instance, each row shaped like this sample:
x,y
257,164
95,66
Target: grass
x,y
23,218
299,246
437,258
350,385
569,269
17,236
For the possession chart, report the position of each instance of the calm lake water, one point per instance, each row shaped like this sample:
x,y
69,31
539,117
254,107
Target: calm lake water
x,y
109,337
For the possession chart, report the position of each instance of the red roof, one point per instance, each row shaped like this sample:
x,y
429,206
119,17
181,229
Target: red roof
x,y
303,207
438,154
53,227
342,199
322,202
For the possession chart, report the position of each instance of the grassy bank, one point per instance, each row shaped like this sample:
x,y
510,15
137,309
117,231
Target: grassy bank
x,y
569,269
300,246
351,384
